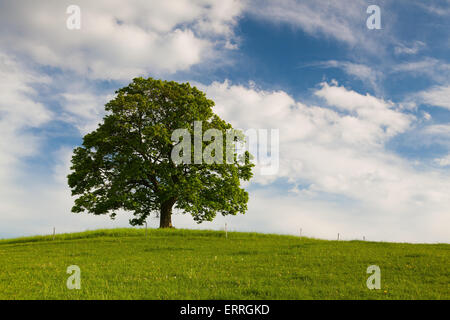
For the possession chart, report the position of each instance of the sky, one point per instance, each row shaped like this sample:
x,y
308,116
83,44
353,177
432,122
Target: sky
x,y
363,114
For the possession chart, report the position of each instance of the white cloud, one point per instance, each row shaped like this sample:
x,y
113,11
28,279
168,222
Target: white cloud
x,y
437,135
357,70
43,201
315,17
435,69
119,40
437,96
382,114
440,9
338,162
334,155
438,129
18,112
413,49
83,109
344,21
344,180
287,213
443,162
426,116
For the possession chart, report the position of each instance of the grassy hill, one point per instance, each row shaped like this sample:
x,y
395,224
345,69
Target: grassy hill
x,y
188,264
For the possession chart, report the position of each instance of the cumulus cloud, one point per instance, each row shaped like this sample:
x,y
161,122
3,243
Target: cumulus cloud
x,y
119,40
437,96
381,114
116,41
38,202
19,112
336,159
341,176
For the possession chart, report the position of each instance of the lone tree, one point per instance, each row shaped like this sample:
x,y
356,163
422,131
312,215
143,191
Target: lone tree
x,y
127,162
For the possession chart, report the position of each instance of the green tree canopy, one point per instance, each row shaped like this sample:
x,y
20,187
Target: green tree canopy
x,y
126,163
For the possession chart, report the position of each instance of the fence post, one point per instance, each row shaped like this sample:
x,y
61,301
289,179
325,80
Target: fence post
x,y
226,231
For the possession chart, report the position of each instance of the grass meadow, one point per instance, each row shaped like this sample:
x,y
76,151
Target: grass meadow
x,y
193,264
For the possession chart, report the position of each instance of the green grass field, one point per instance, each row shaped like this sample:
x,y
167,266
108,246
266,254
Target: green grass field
x,y
188,264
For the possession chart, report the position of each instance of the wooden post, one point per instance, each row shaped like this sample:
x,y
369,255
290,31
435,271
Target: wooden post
x,y
300,232
226,231
364,238
53,233
338,236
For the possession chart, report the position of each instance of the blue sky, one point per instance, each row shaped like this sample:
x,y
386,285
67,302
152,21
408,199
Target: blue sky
x,y
364,115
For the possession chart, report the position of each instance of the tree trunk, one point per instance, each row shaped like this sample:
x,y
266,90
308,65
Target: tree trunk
x,y
166,214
